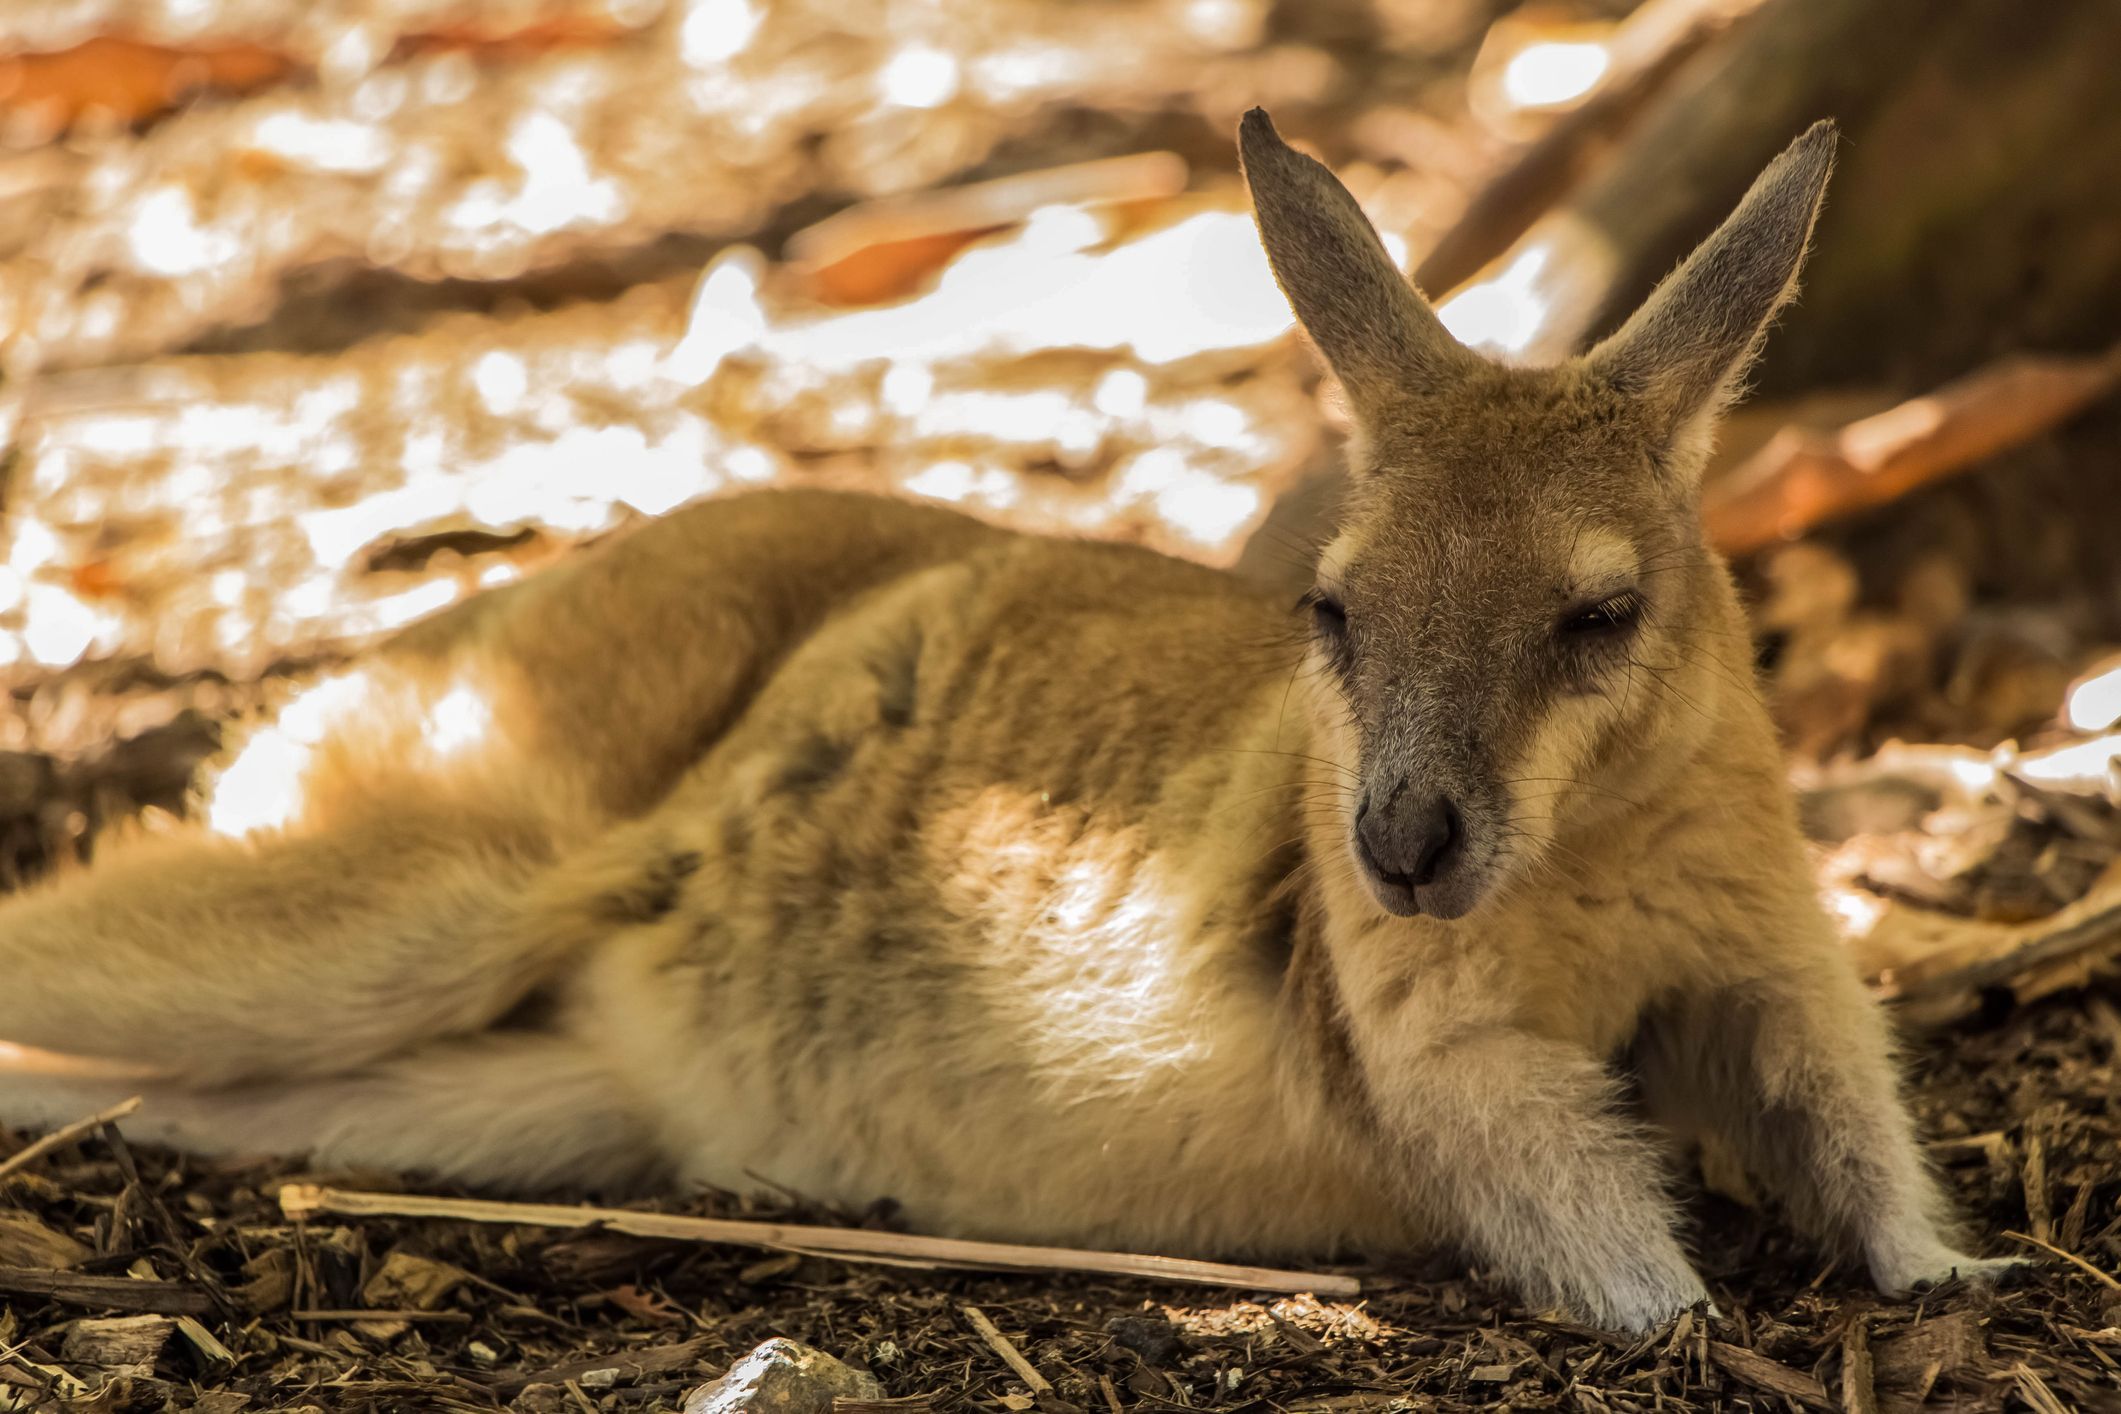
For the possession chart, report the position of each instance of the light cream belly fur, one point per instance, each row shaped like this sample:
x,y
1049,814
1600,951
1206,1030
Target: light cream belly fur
x,y
1029,989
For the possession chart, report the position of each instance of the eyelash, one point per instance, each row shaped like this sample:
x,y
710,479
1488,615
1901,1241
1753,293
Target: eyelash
x,y
1607,618
1328,614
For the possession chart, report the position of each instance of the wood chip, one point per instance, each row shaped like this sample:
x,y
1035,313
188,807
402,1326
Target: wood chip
x,y
626,1365
117,1342
1859,1393
25,1242
1756,1370
204,1341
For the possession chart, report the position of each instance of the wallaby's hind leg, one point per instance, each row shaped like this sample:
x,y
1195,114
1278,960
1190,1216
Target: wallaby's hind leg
x,y
436,829
517,1111
617,668
1795,1074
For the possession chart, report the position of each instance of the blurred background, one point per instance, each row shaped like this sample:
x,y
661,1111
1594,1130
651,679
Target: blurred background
x,y
316,317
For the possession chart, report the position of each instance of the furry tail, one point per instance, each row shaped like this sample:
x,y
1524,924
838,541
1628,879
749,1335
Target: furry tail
x,y
213,962
510,1111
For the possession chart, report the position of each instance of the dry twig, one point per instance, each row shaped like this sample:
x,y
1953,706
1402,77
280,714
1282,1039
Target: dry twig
x,y
1011,1356
301,1200
59,1138
167,1298
882,249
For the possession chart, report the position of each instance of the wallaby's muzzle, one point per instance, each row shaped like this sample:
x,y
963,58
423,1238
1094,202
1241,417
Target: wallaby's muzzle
x,y
1410,847
1421,844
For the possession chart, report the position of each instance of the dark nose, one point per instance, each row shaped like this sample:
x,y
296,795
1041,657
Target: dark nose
x,y
1410,844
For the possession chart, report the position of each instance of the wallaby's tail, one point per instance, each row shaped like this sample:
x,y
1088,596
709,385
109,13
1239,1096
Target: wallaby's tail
x,y
215,961
512,1111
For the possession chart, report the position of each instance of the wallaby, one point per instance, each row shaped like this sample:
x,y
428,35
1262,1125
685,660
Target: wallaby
x,y
1061,891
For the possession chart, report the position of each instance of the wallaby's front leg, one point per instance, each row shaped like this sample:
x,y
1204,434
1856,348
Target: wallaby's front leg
x,y
1794,1071
1520,1143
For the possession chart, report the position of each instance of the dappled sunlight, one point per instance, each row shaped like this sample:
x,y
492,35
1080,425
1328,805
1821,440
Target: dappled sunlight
x,y
2094,701
2092,767
1551,74
260,502
266,784
263,787
1535,302
1535,63
1104,929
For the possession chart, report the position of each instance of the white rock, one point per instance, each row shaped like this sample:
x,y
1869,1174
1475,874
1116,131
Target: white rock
x,y
782,1377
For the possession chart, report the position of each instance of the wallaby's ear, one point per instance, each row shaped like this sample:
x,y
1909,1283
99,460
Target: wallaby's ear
x,y
1379,335
1685,350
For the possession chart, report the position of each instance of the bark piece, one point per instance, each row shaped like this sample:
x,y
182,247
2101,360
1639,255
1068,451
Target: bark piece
x,y
126,1343
25,1242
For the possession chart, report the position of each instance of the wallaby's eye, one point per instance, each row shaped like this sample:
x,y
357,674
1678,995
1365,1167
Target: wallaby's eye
x,y
1328,614
1610,616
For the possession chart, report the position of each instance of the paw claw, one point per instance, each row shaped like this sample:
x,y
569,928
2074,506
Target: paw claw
x,y
1973,1271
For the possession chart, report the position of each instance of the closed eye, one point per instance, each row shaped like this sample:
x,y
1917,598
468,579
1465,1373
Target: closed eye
x,y
1606,618
1328,615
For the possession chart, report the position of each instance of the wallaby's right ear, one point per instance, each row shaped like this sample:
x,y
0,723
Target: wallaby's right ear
x,y
1379,335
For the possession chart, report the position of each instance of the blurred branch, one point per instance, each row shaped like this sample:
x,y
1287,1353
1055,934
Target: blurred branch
x,y
1937,968
1646,50
1803,478
881,249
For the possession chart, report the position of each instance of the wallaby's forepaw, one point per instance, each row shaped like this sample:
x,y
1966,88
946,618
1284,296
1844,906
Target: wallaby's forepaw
x,y
1642,1315
1945,1265
1642,1304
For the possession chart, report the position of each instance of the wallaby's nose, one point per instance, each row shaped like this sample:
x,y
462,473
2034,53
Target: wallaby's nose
x,y
1409,845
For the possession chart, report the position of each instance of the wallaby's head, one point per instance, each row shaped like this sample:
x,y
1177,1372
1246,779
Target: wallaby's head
x,y
1518,627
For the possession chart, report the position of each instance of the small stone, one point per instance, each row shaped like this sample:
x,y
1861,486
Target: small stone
x,y
782,1377
541,1398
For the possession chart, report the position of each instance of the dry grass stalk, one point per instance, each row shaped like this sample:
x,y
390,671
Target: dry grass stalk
x,y
301,1200
1859,1392
58,1138
2066,1256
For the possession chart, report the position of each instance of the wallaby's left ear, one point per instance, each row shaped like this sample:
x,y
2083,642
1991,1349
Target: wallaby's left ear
x,y
1685,350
